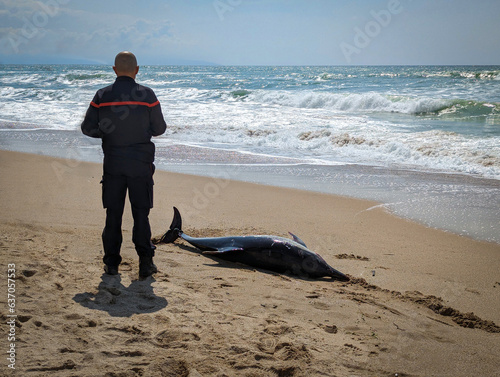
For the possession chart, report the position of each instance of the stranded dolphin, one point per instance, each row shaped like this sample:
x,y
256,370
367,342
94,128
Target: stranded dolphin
x,y
268,252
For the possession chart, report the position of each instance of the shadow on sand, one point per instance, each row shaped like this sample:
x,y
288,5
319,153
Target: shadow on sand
x,y
120,301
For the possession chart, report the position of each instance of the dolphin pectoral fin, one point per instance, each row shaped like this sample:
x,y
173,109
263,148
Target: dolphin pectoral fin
x,y
297,239
222,250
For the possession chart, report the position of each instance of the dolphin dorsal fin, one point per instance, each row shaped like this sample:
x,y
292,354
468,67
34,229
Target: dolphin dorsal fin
x,y
297,239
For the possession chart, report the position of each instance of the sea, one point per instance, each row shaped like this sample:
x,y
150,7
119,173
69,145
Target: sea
x,y
423,141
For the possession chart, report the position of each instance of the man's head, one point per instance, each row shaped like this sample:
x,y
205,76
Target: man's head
x,y
126,64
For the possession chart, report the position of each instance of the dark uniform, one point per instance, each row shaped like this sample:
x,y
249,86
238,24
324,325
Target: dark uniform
x,y
125,115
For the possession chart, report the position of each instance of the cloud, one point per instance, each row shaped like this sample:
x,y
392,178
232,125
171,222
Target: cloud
x,y
252,32
48,28
139,34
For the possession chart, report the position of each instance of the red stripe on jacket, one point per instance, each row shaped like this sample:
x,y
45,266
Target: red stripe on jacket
x,y
124,103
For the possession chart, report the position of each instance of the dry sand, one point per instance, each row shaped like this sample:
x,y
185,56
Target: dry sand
x,y
406,311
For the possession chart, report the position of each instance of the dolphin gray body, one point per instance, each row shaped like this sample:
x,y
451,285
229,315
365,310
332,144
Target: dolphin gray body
x,y
267,252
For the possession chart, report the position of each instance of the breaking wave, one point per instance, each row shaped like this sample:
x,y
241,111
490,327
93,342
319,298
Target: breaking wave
x,y
371,102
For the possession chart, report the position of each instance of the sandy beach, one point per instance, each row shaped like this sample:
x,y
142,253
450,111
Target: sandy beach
x,y
421,301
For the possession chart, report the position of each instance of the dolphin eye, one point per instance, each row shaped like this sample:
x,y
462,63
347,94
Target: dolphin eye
x,y
309,264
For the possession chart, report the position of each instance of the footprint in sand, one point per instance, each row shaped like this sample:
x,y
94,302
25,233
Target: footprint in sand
x,y
290,351
83,321
276,330
283,350
172,338
267,344
330,329
320,305
170,367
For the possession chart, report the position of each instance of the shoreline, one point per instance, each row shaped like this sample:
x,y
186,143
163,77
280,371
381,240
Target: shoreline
x,y
457,203
412,195
204,316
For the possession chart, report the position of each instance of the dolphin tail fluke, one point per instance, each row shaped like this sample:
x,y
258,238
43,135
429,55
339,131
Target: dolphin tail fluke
x,y
175,228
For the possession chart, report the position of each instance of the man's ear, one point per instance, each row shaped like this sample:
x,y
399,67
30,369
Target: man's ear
x,y
136,70
114,69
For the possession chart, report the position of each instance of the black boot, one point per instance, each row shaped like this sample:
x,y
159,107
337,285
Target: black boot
x,y
146,267
111,270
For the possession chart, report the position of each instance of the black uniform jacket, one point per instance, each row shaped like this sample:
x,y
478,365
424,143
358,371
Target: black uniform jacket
x,y
125,115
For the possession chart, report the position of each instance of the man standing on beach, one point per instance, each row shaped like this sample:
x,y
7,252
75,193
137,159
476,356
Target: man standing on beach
x,y
125,115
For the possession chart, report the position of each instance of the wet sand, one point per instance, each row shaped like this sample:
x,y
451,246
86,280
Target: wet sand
x,y
407,310
463,204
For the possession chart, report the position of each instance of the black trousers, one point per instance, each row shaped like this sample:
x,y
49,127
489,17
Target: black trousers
x,y
114,191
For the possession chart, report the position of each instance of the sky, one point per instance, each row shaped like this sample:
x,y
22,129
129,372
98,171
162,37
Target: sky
x,y
252,32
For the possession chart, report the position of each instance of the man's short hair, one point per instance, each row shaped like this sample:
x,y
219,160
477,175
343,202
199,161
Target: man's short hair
x,y
125,62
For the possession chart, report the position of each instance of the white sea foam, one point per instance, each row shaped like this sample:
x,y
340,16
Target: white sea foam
x,y
440,118
317,134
